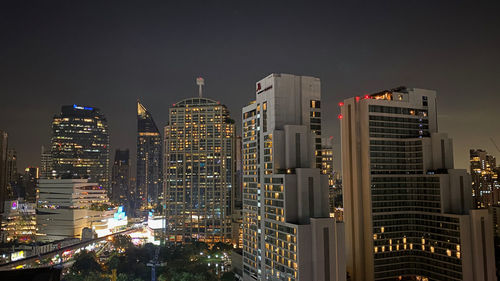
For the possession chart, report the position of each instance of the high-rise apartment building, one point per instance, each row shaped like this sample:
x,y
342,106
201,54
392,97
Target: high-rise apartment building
x,y
287,232
199,171
120,178
485,182
149,160
407,211
80,144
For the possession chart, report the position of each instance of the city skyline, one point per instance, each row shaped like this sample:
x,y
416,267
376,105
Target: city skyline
x,y
250,140
158,64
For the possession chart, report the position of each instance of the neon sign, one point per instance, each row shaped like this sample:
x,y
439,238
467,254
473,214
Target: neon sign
x,y
82,107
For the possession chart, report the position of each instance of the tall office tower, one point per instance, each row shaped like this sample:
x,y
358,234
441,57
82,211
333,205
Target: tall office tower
x,y
485,182
407,212
327,169
11,165
120,178
30,181
80,144
46,166
199,171
12,174
3,171
287,232
149,159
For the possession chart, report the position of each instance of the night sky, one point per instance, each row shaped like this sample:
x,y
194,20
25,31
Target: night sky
x,y
108,54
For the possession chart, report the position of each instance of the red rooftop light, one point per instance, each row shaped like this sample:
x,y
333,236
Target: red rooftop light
x,y
357,99
340,116
341,104
367,97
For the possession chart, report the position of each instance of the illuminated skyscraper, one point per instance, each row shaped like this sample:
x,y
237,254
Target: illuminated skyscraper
x,y
120,178
287,232
407,211
80,144
485,182
199,171
149,159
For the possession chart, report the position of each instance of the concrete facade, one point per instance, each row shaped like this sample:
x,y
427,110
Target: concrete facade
x,y
287,232
66,206
407,211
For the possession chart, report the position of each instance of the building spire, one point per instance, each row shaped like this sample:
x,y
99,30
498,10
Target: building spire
x,y
200,82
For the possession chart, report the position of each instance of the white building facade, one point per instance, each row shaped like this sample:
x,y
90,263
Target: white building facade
x,y
66,206
287,232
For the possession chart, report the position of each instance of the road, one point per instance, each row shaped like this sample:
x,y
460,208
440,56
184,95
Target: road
x,y
63,255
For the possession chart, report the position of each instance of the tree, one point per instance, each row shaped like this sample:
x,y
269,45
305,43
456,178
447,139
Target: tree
x,y
187,276
85,262
227,276
122,241
219,246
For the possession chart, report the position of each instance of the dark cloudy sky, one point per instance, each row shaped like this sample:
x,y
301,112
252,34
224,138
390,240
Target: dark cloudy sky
x,y
107,54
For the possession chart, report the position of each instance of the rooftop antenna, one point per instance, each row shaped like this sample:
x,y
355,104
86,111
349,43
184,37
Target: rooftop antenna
x,y
200,82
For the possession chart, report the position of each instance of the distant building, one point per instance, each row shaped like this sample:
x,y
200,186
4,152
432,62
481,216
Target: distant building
x,y
199,171
11,165
485,181
66,206
3,170
80,144
30,181
149,160
287,231
327,169
407,211
19,222
12,174
46,166
237,211
120,179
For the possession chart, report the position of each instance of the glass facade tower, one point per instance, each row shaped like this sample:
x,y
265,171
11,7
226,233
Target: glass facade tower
x,y
80,144
120,178
149,160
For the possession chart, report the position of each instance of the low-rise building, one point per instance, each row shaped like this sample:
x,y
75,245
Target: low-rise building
x,y
19,223
66,206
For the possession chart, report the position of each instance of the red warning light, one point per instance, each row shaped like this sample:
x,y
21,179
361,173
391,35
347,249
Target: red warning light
x,y
357,99
367,97
341,104
340,116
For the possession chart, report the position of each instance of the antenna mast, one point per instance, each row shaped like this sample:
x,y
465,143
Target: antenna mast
x,y
200,82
